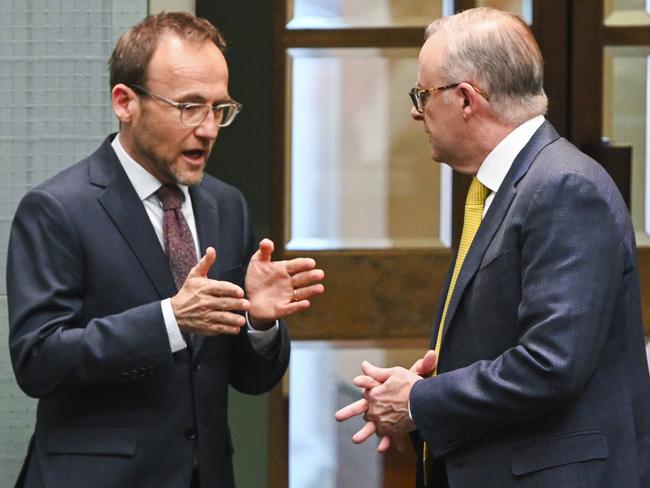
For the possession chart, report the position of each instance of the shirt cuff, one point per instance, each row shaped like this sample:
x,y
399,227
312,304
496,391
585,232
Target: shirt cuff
x,y
176,341
262,341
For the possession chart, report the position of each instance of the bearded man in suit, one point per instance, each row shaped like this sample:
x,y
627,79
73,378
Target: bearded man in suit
x,y
541,378
137,293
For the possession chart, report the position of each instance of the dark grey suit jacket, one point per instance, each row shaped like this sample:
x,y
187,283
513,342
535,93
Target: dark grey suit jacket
x,y
543,376
85,277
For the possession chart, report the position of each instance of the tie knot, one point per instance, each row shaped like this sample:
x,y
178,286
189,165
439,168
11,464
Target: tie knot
x,y
171,197
477,193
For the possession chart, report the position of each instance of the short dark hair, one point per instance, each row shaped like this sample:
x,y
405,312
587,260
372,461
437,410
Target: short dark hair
x,y
130,59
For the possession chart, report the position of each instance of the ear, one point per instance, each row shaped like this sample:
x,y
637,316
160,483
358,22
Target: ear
x,y
125,103
471,99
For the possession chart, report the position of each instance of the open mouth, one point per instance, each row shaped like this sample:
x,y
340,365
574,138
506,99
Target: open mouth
x,y
196,155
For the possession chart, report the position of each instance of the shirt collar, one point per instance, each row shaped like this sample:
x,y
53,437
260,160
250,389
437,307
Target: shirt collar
x,y
144,183
496,165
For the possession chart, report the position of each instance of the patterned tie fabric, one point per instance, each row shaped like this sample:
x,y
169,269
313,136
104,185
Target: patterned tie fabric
x,y
474,204
179,243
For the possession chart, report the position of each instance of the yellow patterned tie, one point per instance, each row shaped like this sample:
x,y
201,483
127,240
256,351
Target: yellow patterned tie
x,y
474,204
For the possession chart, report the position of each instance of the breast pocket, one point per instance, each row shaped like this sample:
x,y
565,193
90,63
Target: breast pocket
x,y
496,264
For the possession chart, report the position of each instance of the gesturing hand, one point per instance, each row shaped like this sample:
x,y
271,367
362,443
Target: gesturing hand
x,y
279,288
204,306
423,367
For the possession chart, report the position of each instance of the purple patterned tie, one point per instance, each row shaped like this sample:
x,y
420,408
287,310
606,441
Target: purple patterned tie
x,y
179,244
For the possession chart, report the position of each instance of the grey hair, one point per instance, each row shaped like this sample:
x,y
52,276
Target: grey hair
x,y
497,52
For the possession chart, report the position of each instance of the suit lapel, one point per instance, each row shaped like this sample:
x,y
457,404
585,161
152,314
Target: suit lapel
x,y
496,213
206,215
122,204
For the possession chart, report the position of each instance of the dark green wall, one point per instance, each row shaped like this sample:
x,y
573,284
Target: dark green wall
x,y
242,154
242,157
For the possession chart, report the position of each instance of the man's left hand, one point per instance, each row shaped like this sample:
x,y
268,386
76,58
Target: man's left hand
x,y
276,289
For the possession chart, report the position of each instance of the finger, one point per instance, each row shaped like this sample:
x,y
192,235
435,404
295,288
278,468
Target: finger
x,y
384,444
292,307
217,288
227,319
298,265
205,263
305,278
216,323
352,410
215,330
230,304
428,363
266,249
379,374
364,433
308,292
365,382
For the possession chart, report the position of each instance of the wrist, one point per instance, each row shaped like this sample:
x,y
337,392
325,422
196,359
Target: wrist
x,y
258,324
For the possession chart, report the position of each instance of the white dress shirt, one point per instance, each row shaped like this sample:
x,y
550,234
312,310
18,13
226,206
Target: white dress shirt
x,y
146,185
496,165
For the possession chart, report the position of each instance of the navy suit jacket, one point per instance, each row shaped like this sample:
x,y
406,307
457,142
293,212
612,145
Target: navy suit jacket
x,y
85,277
543,376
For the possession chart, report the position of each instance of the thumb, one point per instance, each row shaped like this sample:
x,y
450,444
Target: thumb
x,y
265,250
205,263
379,374
429,363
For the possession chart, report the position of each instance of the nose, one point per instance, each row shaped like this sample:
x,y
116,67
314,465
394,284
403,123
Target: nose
x,y
415,114
208,129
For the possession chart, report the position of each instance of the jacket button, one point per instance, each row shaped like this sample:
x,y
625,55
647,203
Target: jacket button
x,y
190,433
197,366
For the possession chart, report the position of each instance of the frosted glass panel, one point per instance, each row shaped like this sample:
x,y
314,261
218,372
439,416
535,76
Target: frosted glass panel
x,y
522,8
54,90
321,452
627,12
625,121
55,103
322,14
361,171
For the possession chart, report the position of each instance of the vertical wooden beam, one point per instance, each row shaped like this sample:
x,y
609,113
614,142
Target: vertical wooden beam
x,y
278,441
551,28
586,87
279,151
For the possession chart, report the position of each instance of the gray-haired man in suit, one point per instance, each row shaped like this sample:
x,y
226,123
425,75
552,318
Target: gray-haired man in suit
x,y
541,377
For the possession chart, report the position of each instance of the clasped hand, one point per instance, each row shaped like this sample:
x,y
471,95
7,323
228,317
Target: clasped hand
x,y
274,289
384,405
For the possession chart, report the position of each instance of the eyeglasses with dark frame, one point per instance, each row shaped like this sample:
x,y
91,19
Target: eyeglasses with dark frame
x,y
193,114
419,95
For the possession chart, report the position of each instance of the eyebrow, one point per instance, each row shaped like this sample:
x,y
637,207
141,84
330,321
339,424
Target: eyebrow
x,y
196,98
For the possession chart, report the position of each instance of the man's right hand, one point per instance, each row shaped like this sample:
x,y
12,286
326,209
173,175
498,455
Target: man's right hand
x,y
205,306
